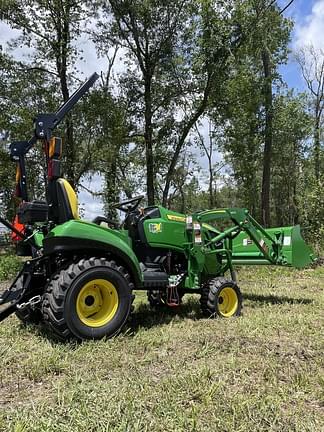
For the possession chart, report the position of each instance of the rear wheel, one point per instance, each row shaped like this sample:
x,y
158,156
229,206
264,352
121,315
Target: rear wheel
x,y
89,300
221,297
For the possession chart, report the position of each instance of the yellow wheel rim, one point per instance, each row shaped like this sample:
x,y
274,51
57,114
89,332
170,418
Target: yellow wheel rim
x,y
97,303
227,302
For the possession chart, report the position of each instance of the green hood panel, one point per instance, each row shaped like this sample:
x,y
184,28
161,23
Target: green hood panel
x,y
166,231
88,235
169,230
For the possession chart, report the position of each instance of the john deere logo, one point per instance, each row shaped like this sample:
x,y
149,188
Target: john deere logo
x,y
155,228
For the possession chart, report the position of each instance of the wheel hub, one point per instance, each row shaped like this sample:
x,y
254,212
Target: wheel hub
x,y
89,300
97,303
227,301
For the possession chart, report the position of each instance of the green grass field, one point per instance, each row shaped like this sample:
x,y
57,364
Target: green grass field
x,y
176,371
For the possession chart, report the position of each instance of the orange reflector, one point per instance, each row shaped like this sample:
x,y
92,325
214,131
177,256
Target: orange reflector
x,y
18,173
20,227
55,148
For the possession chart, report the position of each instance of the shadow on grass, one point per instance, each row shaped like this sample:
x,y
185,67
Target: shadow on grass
x,y
273,299
144,317
147,317
41,331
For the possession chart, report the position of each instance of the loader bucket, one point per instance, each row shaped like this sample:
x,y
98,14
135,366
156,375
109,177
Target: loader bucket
x,y
297,253
294,250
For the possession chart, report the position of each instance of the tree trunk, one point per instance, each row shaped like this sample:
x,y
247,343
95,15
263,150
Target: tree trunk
x,y
294,185
148,141
179,147
265,192
63,40
317,146
211,181
183,200
111,189
185,132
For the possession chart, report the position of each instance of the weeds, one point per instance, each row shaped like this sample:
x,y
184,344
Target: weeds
x,y
175,371
9,266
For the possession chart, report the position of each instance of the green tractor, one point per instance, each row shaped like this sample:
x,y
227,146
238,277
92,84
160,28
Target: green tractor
x,y
81,277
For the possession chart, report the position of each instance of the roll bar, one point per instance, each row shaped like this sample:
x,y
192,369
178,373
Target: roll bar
x,y
44,124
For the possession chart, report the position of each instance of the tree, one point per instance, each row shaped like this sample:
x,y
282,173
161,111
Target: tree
x,y
273,36
248,113
242,119
209,148
311,62
311,206
292,126
147,30
177,53
110,151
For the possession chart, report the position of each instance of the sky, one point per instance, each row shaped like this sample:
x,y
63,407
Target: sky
x,y
308,16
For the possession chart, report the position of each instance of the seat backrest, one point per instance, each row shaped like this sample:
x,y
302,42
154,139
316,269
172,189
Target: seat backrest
x,y
67,201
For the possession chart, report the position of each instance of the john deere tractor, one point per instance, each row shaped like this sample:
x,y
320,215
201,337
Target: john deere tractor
x,y
81,276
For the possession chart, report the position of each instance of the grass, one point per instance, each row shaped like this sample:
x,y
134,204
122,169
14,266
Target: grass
x,y
10,264
176,371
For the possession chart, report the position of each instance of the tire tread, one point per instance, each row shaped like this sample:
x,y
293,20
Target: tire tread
x,y
209,296
54,297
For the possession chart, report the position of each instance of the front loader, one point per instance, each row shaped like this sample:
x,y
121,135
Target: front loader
x,y
80,277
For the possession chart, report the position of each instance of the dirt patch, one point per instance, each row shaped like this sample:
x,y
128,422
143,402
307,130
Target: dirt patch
x,y
4,285
23,392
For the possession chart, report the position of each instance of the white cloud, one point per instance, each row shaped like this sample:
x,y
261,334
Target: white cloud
x,y
311,30
91,206
7,33
92,62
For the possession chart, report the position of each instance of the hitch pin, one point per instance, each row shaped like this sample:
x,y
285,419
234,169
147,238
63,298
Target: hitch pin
x,y
33,302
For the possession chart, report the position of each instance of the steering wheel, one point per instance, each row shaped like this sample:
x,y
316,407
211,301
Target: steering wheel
x,y
128,205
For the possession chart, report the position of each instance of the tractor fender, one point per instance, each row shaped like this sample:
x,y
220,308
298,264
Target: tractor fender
x,y
79,236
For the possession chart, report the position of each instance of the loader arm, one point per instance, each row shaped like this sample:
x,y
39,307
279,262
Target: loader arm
x,y
250,243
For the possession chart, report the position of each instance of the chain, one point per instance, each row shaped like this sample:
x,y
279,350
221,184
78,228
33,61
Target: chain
x,y
32,303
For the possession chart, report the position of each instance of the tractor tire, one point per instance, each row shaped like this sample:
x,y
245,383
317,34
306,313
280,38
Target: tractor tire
x,y
28,315
220,297
90,299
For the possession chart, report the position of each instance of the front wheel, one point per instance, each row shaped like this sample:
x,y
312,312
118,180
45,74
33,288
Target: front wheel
x,y
89,300
221,297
